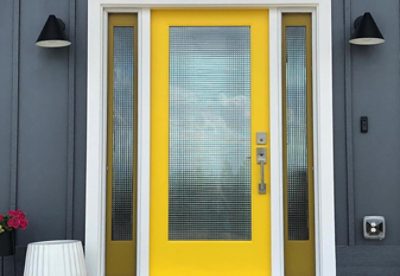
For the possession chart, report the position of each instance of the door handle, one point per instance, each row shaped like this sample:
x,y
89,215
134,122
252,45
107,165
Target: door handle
x,y
262,160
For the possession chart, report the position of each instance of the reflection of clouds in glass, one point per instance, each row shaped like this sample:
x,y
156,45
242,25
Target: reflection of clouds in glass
x,y
212,91
212,119
296,120
209,165
123,108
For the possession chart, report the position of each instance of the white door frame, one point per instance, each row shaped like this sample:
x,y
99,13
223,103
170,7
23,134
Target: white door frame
x,y
97,118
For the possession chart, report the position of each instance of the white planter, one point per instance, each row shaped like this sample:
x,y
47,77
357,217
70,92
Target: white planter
x,y
50,258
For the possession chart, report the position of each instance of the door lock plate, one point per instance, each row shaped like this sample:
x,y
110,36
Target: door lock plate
x,y
261,138
261,156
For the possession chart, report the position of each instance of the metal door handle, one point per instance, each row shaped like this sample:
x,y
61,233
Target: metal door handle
x,y
262,160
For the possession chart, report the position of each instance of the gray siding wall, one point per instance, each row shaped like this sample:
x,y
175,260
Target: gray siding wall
x,y
43,129
367,166
42,122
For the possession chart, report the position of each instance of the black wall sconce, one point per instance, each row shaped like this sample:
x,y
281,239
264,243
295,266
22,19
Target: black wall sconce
x,y
53,34
366,32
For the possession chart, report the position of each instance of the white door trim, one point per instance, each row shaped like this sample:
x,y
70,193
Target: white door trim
x,y
96,127
275,108
143,189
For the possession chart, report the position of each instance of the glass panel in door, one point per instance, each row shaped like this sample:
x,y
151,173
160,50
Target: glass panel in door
x,y
209,105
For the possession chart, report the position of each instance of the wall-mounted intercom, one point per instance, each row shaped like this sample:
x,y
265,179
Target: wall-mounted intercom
x,y
374,227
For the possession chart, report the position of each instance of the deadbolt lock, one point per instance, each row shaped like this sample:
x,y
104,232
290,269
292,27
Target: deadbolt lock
x,y
261,138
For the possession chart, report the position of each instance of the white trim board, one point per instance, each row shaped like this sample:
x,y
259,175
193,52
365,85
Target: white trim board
x,y
143,222
96,127
275,109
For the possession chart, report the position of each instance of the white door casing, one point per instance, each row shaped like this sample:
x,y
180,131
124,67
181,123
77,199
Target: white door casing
x,y
97,128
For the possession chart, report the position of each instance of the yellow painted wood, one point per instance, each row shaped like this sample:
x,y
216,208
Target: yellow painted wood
x,y
120,255
299,255
207,258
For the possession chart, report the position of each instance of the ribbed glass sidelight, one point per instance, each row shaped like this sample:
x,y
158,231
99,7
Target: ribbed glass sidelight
x,y
296,131
123,172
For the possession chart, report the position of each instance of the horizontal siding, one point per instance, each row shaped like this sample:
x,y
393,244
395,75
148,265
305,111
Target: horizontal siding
x,y
368,260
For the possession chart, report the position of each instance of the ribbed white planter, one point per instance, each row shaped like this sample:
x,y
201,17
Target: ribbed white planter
x,y
55,258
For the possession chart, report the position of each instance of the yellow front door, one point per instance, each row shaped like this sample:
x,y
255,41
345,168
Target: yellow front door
x,y
210,212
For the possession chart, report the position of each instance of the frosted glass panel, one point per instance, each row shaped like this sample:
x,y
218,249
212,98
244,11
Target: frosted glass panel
x,y
209,133
123,177
296,131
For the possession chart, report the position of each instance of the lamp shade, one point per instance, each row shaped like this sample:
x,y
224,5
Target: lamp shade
x,y
366,32
50,258
53,34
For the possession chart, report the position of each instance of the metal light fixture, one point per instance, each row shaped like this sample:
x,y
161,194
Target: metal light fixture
x,y
53,34
366,31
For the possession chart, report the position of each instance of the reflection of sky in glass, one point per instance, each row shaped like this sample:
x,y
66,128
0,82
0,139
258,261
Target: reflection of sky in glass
x,y
123,108
209,140
296,120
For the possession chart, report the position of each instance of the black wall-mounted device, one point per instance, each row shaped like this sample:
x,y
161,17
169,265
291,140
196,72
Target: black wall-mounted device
x,y
364,124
